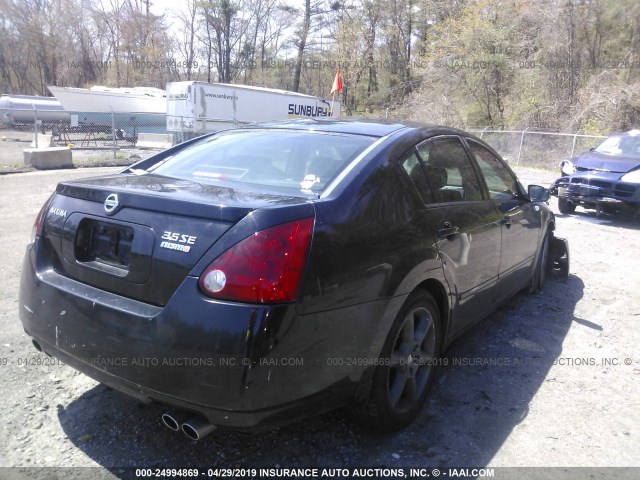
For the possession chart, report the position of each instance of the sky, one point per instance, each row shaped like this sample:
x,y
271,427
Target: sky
x,y
166,7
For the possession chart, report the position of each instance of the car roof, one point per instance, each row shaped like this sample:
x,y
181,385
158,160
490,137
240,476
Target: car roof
x,y
631,133
361,126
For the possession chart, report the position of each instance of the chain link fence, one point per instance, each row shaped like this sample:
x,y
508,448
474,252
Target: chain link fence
x,y
530,148
127,134
102,135
95,130
119,133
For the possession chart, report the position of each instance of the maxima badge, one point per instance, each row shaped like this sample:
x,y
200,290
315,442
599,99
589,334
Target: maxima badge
x,y
111,203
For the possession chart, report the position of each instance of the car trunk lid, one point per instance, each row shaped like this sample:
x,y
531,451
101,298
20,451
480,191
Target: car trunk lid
x,y
140,236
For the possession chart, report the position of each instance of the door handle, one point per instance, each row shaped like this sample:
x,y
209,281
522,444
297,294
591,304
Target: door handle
x,y
448,230
506,221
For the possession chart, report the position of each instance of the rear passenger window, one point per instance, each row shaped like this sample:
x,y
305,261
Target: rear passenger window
x,y
414,169
449,171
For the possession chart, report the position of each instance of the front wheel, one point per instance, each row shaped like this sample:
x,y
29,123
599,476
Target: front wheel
x,y
565,206
402,379
540,273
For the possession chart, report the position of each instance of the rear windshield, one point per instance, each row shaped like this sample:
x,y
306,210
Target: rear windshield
x,y
302,160
621,145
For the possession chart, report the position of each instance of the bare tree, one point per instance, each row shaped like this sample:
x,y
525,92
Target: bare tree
x,y
186,44
109,18
302,42
225,30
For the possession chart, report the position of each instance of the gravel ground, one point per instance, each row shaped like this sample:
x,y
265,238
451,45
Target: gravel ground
x,y
549,380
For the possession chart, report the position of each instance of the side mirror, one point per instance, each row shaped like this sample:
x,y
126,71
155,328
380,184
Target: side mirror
x,y
538,193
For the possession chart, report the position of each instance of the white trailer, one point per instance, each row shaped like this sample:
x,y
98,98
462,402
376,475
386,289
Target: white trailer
x,y
199,107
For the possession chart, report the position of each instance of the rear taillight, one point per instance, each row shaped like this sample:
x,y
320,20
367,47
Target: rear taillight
x,y
37,224
266,267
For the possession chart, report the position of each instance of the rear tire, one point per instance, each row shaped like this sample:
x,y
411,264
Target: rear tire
x,y
402,380
565,206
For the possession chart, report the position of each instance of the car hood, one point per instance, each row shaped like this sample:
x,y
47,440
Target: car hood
x,y
605,163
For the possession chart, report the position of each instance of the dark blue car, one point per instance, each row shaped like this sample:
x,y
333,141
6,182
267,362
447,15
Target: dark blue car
x,y
607,178
264,274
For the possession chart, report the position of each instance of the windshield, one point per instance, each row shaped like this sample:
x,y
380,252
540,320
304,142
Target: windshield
x,y
280,158
620,145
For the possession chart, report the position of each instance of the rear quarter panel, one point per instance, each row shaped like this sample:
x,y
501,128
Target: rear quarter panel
x,y
370,249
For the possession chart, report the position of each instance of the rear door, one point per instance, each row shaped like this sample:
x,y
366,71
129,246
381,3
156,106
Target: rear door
x,y
467,226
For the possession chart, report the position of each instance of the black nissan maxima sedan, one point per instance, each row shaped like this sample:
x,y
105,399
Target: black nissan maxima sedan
x,y
259,275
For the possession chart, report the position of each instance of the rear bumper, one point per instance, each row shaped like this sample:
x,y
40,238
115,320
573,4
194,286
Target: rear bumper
x,y
241,366
241,420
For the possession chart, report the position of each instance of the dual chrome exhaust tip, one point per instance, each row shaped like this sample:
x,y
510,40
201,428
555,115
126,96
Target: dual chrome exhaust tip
x,y
193,426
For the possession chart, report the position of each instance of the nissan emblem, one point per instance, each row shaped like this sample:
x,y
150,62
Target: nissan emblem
x,y
111,203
